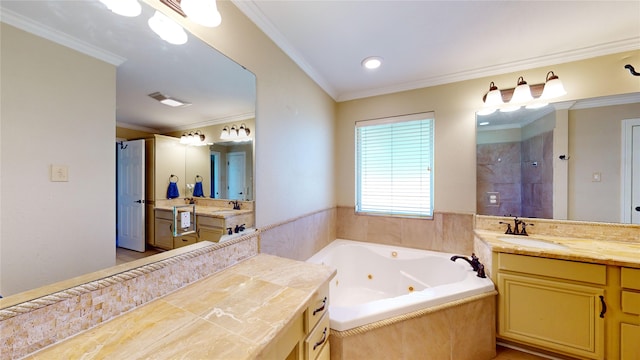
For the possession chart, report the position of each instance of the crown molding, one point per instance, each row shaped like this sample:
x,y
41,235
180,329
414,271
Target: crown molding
x,y
228,119
607,101
30,26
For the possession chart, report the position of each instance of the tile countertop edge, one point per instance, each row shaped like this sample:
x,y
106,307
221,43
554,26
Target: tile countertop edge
x,y
578,249
262,268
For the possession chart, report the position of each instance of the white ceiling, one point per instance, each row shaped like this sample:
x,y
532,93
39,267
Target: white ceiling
x,y
426,43
423,43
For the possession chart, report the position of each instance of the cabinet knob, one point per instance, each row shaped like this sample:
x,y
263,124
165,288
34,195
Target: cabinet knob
x,y
637,208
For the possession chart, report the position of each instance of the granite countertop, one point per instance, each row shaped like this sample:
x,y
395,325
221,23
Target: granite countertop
x,y
212,211
233,314
609,252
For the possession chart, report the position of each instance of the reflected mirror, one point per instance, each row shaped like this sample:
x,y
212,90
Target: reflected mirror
x,y
563,161
216,88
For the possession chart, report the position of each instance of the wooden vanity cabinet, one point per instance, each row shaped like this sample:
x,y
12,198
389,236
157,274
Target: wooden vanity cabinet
x,y
207,229
210,228
308,337
551,304
629,324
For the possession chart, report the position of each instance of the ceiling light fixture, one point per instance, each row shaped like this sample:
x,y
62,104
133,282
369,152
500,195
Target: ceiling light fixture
x,y
129,8
169,101
530,96
168,30
372,62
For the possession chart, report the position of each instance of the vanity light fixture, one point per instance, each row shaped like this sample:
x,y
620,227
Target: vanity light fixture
x,y
169,101
128,8
193,139
169,30
203,12
235,133
372,62
531,96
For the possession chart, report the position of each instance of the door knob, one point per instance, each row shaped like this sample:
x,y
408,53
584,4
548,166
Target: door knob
x,y
139,201
637,208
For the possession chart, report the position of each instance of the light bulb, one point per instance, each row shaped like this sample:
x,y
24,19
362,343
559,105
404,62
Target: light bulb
x,y
169,30
203,12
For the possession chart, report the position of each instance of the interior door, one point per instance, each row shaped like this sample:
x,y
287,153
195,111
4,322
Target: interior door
x,y
236,175
130,229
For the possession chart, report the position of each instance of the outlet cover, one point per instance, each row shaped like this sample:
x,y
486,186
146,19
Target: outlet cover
x,y
59,173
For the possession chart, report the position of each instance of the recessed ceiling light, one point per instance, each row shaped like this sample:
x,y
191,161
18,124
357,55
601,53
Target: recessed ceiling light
x,y
484,123
372,62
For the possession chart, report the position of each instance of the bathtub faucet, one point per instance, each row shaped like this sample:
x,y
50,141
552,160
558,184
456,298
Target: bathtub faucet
x,y
474,262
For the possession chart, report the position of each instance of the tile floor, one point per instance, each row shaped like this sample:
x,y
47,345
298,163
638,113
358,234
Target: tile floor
x,y
125,255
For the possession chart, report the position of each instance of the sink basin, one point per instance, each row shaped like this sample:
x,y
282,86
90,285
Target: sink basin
x,y
530,242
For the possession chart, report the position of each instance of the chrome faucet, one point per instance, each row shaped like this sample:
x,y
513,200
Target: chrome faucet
x,y
474,262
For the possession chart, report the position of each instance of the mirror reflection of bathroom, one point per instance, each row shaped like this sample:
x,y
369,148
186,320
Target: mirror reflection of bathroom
x,y
515,163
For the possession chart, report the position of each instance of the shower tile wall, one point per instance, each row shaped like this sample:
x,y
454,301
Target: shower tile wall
x,y
521,172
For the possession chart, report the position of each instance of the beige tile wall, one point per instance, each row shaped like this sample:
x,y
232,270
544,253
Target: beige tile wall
x,y
301,237
30,326
447,232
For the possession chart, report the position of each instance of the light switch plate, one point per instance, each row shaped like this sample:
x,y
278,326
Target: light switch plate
x,y
59,173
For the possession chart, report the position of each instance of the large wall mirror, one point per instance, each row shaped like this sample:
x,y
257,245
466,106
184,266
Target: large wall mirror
x,y
218,90
564,161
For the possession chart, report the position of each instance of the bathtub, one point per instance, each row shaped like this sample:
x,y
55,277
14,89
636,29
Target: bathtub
x,y
378,282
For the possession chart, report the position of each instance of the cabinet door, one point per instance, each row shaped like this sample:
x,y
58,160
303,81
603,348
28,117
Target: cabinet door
x,y
163,234
555,315
629,336
210,234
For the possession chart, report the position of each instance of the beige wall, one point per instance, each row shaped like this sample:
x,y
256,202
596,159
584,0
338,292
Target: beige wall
x,y
54,230
455,106
595,147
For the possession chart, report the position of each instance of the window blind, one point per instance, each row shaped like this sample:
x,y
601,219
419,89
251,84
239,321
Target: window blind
x,y
394,158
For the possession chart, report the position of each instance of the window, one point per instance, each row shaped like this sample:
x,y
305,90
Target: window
x,y
394,162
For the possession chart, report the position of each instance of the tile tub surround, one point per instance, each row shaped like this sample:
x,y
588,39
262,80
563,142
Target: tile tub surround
x,y
463,330
446,232
239,313
301,237
29,326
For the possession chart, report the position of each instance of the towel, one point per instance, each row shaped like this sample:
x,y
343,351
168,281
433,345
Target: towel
x,y
172,190
197,189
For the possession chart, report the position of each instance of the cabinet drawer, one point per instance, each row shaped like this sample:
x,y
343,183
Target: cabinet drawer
x,y
314,343
561,269
183,241
630,278
325,353
631,302
210,221
164,214
317,307
210,234
629,335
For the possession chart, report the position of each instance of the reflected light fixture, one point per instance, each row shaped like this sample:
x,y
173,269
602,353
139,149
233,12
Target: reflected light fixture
x,y
552,87
167,29
129,8
372,62
193,139
235,133
531,96
203,12
169,101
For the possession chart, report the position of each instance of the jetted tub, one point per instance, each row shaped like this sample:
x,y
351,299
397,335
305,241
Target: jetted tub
x,y
377,282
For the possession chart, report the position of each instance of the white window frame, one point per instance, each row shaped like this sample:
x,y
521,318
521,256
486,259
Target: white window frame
x,y
397,201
